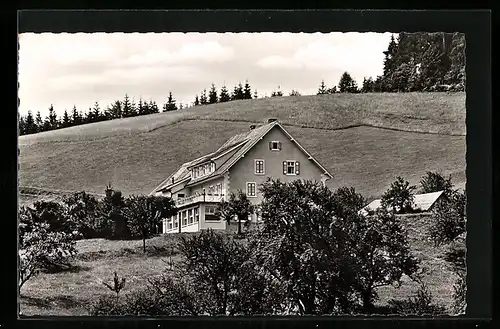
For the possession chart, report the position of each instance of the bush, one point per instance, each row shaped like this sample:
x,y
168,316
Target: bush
x,y
40,249
460,294
83,210
435,182
46,239
399,197
448,219
421,304
162,296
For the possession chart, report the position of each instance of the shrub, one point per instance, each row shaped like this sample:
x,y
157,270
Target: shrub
x,y
144,213
83,210
399,197
39,248
46,241
435,182
421,304
347,202
448,219
382,254
238,206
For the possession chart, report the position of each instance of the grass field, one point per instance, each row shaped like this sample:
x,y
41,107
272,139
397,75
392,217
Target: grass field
x,y
363,139
68,293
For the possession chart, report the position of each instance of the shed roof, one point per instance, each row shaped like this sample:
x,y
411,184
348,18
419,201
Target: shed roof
x,y
421,202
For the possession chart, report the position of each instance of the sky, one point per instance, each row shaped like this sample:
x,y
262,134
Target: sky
x,y
80,69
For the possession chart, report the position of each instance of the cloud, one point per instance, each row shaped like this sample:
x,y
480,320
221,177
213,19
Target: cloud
x,y
125,77
348,53
205,52
66,69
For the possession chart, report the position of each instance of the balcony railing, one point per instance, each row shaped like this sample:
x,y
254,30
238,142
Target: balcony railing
x,y
199,197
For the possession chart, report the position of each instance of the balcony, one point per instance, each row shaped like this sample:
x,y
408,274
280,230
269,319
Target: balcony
x,y
196,198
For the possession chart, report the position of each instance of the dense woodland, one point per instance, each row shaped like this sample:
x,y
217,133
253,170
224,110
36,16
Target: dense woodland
x,y
413,62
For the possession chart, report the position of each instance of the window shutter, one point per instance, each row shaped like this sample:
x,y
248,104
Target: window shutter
x,y
270,145
279,146
284,167
297,168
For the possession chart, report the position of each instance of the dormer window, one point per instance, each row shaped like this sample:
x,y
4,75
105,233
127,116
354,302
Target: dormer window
x,y
203,170
275,146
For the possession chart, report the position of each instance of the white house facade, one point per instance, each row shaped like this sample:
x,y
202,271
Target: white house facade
x,y
242,163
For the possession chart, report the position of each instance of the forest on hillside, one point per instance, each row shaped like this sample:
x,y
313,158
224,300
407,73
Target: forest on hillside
x,y
413,62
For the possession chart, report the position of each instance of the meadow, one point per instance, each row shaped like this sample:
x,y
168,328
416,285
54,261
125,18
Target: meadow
x,y
72,291
364,140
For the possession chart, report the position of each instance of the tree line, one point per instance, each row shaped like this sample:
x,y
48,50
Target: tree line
x,y
313,252
413,62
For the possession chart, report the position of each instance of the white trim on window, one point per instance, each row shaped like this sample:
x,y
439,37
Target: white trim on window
x,y
290,164
248,190
263,166
278,145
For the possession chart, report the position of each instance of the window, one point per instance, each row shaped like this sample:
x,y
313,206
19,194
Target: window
x,y
211,190
291,167
170,223
218,189
180,195
196,215
251,189
176,220
275,146
259,167
184,218
210,213
190,213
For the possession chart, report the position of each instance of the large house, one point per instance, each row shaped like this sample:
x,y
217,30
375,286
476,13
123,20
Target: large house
x,y
242,163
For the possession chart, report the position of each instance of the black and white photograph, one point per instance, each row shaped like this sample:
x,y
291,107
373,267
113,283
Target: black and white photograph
x,y
242,174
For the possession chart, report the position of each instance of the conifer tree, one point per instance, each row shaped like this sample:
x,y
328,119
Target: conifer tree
x,y
21,125
140,107
46,124
170,104
203,98
347,84
368,85
322,88
96,112
38,122
247,91
153,107
332,90
212,95
133,108
196,101
224,95
30,125
66,121
116,110
126,107
53,122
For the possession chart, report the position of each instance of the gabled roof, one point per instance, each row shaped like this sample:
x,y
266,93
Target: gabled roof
x,y
422,202
240,145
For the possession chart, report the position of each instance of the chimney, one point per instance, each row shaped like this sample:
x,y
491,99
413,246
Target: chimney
x,y
252,127
271,120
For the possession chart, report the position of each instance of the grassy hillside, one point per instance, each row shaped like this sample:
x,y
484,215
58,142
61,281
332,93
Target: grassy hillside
x,y
421,132
69,293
